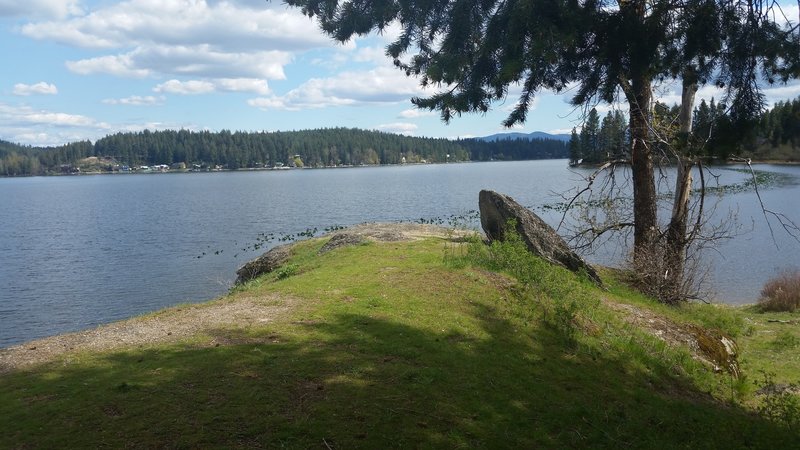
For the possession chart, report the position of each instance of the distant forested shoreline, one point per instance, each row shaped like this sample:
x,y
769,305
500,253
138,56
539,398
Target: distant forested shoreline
x,y
204,150
774,136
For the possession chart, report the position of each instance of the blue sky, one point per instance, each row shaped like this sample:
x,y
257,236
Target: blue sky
x,y
81,69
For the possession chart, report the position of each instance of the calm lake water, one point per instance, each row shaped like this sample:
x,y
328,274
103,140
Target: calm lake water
x,y
76,252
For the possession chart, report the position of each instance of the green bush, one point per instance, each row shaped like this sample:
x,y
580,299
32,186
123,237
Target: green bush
x,y
780,404
286,271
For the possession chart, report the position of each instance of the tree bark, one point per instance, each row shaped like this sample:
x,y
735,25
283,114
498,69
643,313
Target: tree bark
x,y
644,190
675,255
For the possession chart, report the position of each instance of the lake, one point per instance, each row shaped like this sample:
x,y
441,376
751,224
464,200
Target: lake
x,y
80,251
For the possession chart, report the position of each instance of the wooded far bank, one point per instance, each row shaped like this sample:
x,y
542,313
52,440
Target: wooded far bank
x,y
236,150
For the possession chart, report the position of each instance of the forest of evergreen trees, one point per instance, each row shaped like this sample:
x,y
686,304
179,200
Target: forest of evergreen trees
x,y
774,137
236,150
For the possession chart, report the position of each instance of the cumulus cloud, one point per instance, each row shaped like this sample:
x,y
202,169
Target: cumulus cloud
x,y
26,125
185,87
136,100
377,86
375,55
201,61
192,87
214,39
39,8
118,65
414,113
40,88
563,130
398,127
253,85
234,26
772,94
782,92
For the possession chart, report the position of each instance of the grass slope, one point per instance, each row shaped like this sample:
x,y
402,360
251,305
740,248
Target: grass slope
x,y
423,344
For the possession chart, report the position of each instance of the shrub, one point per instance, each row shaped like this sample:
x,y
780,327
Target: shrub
x,y
781,293
785,341
286,271
779,403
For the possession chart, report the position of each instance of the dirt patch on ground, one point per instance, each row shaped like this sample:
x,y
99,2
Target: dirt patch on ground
x,y
166,326
391,232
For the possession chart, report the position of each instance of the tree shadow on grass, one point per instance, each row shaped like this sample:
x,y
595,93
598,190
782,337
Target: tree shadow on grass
x,y
355,381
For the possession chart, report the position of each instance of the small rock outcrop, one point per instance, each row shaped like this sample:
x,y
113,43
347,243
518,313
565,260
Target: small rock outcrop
x,y
343,239
709,346
540,238
265,263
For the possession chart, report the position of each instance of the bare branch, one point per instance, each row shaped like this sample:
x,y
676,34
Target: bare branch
x,y
597,232
590,181
791,228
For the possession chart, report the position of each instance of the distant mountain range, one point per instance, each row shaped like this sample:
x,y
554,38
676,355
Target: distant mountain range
x,y
534,135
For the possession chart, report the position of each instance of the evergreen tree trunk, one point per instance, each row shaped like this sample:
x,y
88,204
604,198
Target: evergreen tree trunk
x,y
675,252
645,230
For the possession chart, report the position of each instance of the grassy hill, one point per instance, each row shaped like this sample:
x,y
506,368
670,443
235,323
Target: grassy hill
x,y
410,339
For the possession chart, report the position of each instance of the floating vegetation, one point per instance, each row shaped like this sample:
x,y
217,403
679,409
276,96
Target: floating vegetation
x,y
264,239
471,219
762,179
464,220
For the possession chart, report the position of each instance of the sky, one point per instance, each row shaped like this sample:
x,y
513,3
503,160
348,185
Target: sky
x,y
81,69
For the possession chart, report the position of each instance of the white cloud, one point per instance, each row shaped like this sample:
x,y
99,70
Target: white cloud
x,y
787,13
26,125
39,8
563,130
253,85
136,100
59,119
232,26
782,92
377,86
185,87
41,88
414,113
398,127
375,55
510,103
210,39
117,65
267,103
191,87
772,94
201,61
605,108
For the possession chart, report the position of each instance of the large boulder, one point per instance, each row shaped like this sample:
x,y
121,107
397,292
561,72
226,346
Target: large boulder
x,y
540,238
265,263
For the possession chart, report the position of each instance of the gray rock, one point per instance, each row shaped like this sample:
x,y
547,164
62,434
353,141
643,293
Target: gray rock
x,y
265,263
540,238
343,239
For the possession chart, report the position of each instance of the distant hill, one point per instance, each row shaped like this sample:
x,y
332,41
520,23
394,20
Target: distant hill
x,y
533,135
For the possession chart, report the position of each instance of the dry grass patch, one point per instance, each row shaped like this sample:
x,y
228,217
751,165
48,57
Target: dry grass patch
x,y
781,293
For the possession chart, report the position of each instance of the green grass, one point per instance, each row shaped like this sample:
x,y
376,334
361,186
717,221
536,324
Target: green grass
x,y
419,344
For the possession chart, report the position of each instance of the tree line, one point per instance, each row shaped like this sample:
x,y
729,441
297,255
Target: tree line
x,y
236,150
774,135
